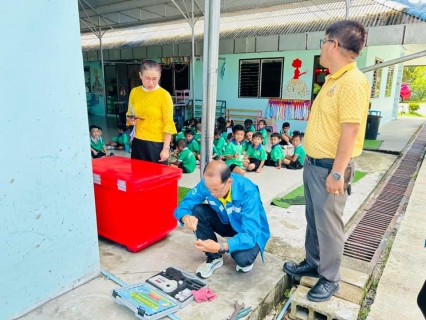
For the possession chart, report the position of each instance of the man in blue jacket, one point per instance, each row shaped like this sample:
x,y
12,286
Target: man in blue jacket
x,y
232,209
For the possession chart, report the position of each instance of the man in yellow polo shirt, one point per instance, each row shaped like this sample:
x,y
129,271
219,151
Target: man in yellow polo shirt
x,y
334,136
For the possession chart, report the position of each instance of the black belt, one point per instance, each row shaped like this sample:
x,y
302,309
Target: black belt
x,y
323,163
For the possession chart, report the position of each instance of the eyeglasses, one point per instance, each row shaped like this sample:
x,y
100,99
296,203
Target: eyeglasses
x,y
322,41
148,79
216,190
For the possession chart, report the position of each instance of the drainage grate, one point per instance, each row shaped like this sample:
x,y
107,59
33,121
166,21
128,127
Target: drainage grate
x,y
364,237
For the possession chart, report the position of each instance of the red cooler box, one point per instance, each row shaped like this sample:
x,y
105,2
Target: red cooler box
x,y
135,200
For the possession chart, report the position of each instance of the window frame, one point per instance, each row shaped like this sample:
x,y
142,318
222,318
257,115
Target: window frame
x,y
376,80
389,81
259,84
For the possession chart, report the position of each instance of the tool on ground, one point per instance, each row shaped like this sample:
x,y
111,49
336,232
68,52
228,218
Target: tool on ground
x,y
237,308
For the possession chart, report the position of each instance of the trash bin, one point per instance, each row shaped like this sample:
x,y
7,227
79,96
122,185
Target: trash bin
x,y
134,200
373,123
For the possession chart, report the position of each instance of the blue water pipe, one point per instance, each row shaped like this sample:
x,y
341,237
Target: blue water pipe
x,y
287,304
123,284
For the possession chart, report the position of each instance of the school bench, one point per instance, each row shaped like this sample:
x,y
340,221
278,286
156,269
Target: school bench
x,y
240,115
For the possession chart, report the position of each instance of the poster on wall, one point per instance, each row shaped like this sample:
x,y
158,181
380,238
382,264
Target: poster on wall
x,y
297,88
97,85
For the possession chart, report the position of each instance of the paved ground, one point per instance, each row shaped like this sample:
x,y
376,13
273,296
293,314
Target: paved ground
x,y
260,288
405,270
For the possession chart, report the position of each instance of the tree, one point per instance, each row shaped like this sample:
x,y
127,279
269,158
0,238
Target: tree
x,y
416,79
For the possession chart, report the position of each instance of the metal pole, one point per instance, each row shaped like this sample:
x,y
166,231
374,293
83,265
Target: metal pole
x,y
394,61
348,5
214,26
204,159
193,60
103,71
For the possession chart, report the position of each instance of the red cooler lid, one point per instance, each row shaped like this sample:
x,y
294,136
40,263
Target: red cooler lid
x,y
127,174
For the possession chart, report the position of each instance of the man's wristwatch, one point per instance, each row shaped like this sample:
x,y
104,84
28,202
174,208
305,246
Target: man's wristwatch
x,y
222,249
336,175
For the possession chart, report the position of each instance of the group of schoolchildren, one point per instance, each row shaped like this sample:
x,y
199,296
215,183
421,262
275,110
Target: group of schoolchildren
x,y
241,147
99,148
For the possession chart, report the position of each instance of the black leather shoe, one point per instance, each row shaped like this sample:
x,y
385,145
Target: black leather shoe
x,y
323,290
300,270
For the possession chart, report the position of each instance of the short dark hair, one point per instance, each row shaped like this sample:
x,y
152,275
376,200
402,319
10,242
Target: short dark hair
x,y
92,127
217,132
296,132
248,122
237,127
262,121
221,120
350,34
229,136
99,128
189,131
257,135
186,123
276,135
181,143
122,127
150,64
178,127
286,125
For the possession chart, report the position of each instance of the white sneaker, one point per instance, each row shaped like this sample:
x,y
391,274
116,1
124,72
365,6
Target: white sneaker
x,y
244,269
110,147
205,270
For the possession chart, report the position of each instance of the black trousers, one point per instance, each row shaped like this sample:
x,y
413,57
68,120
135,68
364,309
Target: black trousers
x,y
147,150
421,300
100,154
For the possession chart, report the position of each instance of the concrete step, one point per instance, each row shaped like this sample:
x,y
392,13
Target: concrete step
x,y
334,309
346,291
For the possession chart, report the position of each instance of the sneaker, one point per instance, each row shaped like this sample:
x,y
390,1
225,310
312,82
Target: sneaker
x,y
205,270
110,147
244,269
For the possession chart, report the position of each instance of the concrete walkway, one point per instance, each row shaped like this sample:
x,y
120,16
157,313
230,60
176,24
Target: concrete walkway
x,y
261,288
405,270
396,134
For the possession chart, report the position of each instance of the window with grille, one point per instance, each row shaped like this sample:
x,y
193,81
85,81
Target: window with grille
x,y
389,82
260,78
377,78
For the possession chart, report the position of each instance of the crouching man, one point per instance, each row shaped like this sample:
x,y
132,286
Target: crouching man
x,y
229,205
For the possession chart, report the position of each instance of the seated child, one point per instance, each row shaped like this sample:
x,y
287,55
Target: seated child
x,y
100,133
296,160
229,137
192,144
285,134
276,155
97,145
176,137
248,140
229,125
262,130
197,135
248,125
186,159
234,150
193,125
121,140
255,154
218,144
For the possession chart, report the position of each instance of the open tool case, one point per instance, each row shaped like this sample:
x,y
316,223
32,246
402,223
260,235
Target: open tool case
x,y
162,294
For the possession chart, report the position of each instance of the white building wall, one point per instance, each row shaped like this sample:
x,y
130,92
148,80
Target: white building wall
x,y
48,238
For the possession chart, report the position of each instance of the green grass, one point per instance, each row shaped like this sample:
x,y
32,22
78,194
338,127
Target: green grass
x,y
297,196
182,191
372,144
408,114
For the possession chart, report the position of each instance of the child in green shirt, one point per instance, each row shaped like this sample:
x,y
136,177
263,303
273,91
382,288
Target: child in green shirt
x,y
296,160
121,140
276,154
248,140
97,146
197,135
248,125
262,130
234,150
218,144
255,154
192,144
186,160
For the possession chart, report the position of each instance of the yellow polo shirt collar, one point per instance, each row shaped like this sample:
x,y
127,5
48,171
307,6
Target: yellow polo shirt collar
x,y
342,71
228,197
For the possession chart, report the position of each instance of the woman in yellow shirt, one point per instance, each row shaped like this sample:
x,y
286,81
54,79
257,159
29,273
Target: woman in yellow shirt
x,y
151,111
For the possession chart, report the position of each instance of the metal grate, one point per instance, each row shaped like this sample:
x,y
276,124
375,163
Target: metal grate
x,y
364,238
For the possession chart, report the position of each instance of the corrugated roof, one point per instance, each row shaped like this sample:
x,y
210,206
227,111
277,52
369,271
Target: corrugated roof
x,y
302,17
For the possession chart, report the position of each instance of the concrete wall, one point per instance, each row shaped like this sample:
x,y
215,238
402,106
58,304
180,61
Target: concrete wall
x,y
48,239
386,105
